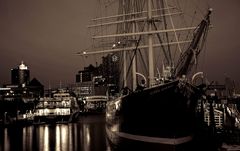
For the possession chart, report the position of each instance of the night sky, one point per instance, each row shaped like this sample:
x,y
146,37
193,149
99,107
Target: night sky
x,y
46,34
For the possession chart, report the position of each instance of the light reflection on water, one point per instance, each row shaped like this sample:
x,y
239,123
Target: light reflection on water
x,y
27,137
6,140
86,135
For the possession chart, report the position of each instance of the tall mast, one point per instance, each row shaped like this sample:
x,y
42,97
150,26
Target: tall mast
x,y
150,45
124,51
174,31
134,64
138,19
190,55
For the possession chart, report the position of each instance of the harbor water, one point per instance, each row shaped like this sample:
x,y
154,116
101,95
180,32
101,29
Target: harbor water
x,y
87,134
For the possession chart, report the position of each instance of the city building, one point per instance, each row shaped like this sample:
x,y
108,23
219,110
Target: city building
x,y
22,85
22,93
99,80
20,75
86,74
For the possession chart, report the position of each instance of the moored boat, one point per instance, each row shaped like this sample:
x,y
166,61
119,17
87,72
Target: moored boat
x,y
56,109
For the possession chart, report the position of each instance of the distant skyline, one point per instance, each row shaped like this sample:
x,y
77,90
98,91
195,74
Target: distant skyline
x,y
47,34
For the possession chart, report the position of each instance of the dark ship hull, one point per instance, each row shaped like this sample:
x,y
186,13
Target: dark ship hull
x,y
159,116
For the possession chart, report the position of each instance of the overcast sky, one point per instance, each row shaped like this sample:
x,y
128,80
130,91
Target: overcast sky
x,y
46,34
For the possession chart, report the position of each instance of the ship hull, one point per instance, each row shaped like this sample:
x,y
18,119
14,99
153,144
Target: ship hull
x,y
163,115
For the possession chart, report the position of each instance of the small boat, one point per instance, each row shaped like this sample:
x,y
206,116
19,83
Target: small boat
x,y
56,109
94,104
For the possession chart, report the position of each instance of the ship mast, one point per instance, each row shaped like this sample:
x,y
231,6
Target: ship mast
x,y
189,57
142,20
134,64
150,45
124,51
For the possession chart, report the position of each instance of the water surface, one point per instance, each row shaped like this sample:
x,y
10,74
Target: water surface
x,y
88,134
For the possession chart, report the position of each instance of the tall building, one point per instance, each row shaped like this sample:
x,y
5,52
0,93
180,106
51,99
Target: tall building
x,y
20,75
99,80
87,74
108,69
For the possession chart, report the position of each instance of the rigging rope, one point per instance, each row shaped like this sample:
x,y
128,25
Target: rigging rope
x,y
136,6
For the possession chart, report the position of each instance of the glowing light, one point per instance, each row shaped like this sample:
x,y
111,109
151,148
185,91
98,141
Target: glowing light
x,y
58,111
44,138
46,111
115,128
22,66
117,104
40,112
114,45
6,140
86,131
64,139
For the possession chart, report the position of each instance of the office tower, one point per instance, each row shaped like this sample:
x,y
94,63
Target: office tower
x,y
20,75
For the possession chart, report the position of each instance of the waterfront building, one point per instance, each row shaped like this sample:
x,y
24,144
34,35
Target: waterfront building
x,y
22,94
35,88
87,74
94,85
97,80
21,86
20,75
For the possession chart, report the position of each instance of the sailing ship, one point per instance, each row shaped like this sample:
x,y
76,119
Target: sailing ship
x,y
159,111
